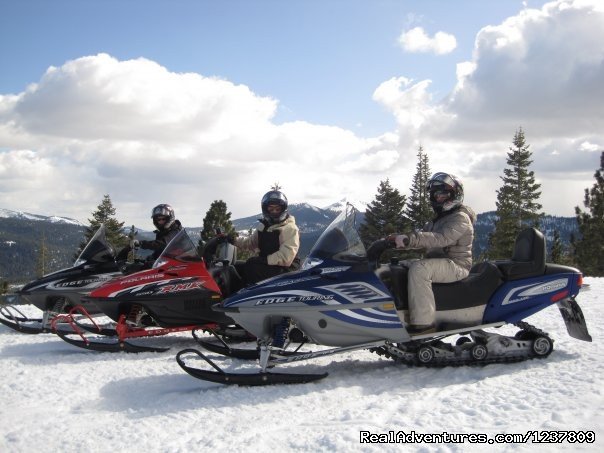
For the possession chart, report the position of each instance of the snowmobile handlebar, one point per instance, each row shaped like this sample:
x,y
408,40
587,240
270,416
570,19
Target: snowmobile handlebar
x,y
375,250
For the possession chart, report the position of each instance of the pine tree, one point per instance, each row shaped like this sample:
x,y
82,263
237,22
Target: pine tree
x,y
104,214
589,249
419,211
43,257
217,217
4,287
557,252
517,200
384,215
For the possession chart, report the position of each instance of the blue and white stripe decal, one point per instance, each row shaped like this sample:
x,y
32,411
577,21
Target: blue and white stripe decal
x,y
367,318
340,294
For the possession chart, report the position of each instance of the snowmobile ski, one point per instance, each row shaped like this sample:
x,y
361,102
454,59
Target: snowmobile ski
x,y
244,379
119,344
15,319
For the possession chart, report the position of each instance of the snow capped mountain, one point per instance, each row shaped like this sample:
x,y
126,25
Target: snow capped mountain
x,y
339,206
8,214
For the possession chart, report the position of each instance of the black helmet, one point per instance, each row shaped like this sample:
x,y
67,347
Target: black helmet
x,y
163,210
274,197
451,185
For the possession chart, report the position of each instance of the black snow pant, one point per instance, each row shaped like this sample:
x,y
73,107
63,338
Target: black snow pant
x,y
255,270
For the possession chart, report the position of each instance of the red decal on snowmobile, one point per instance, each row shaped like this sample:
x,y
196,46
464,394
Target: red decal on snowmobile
x,y
181,287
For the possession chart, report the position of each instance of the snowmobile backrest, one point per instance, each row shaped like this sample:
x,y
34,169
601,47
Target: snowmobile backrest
x,y
528,259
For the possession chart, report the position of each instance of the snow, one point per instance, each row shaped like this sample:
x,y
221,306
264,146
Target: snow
x,y
7,214
55,397
339,206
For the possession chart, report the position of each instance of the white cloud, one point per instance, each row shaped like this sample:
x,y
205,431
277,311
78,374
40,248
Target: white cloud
x,y
137,131
542,70
146,135
416,40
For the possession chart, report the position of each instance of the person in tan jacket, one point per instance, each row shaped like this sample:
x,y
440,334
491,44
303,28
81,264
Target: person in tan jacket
x,y
448,243
276,240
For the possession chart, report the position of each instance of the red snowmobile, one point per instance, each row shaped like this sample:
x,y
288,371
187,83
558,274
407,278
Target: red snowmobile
x,y
175,295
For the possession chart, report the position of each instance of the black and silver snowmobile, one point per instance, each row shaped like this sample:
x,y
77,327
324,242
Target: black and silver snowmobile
x,y
59,292
344,299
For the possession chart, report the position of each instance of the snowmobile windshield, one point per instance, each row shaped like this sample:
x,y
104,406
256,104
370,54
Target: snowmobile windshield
x,y
98,250
180,248
339,242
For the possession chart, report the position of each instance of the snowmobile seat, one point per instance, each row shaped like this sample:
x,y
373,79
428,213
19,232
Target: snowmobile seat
x,y
528,259
473,291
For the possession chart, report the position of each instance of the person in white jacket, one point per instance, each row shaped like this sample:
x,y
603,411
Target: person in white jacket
x,y
448,243
276,240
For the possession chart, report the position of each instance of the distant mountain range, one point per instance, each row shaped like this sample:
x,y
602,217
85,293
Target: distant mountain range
x,y
21,235
8,214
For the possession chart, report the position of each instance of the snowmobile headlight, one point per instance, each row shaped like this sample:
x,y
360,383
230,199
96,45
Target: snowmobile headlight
x,y
311,262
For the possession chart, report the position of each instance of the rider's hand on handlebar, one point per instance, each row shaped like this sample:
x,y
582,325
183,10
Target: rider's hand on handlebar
x,y
401,241
398,240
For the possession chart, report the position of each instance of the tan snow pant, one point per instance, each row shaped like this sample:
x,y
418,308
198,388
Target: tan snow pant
x,y
422,273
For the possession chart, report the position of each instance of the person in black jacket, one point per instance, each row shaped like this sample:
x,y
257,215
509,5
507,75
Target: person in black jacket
x,y
167,227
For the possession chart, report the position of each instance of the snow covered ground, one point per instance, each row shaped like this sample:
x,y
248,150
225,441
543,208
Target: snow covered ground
x,y
55,397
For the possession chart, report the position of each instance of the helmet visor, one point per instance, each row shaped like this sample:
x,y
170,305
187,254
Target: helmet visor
x,y
441,181
160,211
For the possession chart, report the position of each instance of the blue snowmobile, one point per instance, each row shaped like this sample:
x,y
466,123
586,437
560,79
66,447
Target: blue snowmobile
x,y
343,298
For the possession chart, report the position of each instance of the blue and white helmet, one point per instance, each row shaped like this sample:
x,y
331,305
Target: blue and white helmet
x,y
441,183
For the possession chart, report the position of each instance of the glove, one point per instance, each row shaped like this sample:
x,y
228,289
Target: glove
x,y
136,243
401,241
391,239
144,244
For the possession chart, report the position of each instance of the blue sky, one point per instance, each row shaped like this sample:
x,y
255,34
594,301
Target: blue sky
x,y
318,95
321,59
